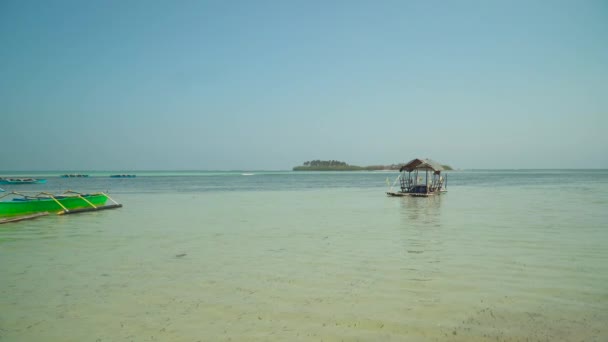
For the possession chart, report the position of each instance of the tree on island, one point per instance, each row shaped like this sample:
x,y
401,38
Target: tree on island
x,y
329,163
326,165
335,165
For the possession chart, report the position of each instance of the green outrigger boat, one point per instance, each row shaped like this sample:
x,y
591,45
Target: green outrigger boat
x,y
69,202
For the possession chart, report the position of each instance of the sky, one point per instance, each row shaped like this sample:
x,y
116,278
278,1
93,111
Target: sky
x,y
267,85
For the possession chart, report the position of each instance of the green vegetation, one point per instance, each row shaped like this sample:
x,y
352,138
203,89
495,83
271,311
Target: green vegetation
x,y
383,167
327,165
335,165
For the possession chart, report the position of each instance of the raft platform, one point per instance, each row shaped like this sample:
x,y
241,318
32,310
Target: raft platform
x,y
409,194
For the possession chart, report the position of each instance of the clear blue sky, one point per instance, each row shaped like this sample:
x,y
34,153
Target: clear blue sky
x,y
270,84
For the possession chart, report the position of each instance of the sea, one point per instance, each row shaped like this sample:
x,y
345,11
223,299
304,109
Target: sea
x,y
504,255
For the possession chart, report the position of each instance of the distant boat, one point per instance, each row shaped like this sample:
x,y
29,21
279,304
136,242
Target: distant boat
x,y
1,190
247,174
73,175
123,176
22,181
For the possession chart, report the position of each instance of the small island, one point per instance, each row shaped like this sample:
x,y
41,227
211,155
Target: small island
x,y
335,165
327,165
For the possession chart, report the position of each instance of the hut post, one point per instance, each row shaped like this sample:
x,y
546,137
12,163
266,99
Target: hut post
x,y
409,180
427,181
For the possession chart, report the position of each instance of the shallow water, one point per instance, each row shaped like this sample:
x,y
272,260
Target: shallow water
x,y
504,255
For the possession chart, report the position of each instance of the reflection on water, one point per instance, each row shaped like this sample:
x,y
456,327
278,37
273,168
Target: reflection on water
x,y
422,243
423,211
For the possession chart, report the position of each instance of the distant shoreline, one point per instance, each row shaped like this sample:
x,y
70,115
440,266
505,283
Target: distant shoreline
x,y
333,165
347,168
57,173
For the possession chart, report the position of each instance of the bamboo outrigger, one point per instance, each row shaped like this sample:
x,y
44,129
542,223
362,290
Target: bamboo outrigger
x,y
23,218
413,185
69,202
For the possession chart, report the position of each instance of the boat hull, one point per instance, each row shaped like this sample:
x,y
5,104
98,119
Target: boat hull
x,y
37,205
22,181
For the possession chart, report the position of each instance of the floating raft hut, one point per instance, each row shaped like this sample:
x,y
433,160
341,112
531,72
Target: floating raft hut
x,y
413,184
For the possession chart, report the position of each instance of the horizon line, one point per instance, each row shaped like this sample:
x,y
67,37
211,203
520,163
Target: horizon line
x,y
281,170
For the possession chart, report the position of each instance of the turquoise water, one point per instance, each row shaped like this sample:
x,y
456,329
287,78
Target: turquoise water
x,y
211,256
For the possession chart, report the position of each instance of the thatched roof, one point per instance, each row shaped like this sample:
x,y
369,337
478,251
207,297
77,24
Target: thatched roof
x,y
421,164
